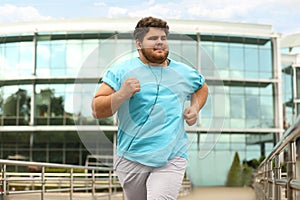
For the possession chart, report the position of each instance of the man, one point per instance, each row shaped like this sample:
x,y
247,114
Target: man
x,y
149,92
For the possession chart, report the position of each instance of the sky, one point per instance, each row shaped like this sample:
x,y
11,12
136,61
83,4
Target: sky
x,y
283,15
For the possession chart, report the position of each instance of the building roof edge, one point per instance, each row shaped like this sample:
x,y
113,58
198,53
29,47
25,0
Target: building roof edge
x,y
128,24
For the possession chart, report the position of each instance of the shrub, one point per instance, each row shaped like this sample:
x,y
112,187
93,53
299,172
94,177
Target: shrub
x,y
234,177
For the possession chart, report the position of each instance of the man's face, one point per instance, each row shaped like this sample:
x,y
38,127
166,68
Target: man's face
x,y
155,46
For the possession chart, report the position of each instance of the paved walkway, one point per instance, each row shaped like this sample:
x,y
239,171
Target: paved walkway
x,y
60,196
203,193
221,193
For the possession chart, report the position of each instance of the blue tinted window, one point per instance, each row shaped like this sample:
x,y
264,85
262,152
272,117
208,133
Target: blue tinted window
x,y
15,105
236,65
16,59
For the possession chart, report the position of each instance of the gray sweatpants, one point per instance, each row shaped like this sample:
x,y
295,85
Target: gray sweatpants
x,y
142,182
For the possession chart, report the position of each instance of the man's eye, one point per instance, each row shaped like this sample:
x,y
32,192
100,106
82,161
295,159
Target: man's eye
x,y
157,37
153,38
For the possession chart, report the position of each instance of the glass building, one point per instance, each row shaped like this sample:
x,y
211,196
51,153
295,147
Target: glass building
x,y
50,70
290,47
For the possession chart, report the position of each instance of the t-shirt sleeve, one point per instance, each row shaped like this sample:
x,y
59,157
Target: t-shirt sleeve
x,y
198,80
112,80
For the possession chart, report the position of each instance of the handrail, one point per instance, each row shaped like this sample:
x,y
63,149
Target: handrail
x,y
30,163
269,181
100,178
290,134
93,179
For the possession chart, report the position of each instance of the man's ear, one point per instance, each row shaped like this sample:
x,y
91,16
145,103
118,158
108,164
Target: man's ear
x,y
138,44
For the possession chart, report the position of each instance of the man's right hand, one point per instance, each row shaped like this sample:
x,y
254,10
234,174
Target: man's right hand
x,y
106,101
129,88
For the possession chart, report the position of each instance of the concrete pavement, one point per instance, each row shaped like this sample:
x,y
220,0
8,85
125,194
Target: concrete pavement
x,y
203,193
220,193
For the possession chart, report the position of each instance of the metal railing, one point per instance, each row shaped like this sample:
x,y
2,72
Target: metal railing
x,y
271,182
88,179
95,181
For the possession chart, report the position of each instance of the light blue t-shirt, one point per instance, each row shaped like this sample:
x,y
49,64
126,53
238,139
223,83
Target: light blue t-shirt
x,y
151,123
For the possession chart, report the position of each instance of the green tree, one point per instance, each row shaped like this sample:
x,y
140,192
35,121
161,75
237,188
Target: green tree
x,y
57,105
247,175
234,177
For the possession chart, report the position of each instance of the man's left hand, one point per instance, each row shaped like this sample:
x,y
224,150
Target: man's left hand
x,y
190,115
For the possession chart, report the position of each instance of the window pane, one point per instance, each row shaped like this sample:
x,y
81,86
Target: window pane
x,y
58,58
236,64
298,83
74,57
265,59
43,59
252,105
15,105
184,51
16,60
221,55
237,106
51,106
251,61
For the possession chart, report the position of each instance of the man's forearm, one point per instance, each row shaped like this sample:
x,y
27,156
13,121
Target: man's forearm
x,y
106,106
101,107
199,98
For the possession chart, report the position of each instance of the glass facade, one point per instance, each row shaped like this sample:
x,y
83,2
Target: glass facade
x,y
60,58
15,109
218,160
16,59
291,83
47,81
240,60
248,107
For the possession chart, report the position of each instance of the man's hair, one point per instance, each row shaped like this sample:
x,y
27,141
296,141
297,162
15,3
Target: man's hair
x,y
144,24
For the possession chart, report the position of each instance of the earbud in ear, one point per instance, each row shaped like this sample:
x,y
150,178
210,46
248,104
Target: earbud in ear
x,y
140,46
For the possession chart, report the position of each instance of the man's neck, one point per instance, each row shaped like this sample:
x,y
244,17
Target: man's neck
x,y
163,64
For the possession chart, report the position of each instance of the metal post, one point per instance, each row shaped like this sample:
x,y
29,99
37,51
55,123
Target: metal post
x,y
269,179
93,183
291,169
32,104
71,183
278,105
31,141
277,175
4,181
114,145
266,183
43,183
110,185
294,91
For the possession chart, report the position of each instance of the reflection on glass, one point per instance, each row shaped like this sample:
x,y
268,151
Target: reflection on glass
x,y
63,57
296,49
15,105
237,101
54,106
251,58
240,60
236,60
298,83
50,108
16,59
184,51
250,149
248,107
221,55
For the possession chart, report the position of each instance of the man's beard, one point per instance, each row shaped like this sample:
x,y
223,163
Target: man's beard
x,y
153,58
